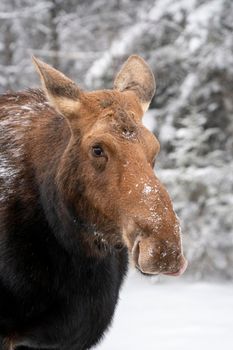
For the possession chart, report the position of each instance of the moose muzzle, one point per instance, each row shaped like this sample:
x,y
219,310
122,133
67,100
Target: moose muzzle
x,y
152,257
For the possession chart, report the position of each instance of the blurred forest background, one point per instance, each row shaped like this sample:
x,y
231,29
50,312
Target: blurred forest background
x,y
189,45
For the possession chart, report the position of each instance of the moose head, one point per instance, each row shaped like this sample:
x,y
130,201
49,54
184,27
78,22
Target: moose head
x,y
106,170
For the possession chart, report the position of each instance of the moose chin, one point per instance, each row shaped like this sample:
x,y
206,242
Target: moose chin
x,y
78,196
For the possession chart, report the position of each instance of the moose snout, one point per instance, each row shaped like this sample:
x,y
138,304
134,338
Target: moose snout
x,y
152,229
152,257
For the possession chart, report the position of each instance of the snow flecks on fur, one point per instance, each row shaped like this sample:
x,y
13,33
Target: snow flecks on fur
x,y
8,174
16,120
126,164
147,189
151,252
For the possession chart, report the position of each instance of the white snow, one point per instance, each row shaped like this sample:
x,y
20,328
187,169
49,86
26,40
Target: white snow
x,y
170,7
171,315
198,21
147,189
149,119
7,174
117,49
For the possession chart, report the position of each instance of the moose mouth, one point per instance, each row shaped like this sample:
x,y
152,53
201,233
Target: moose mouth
x,y
167,270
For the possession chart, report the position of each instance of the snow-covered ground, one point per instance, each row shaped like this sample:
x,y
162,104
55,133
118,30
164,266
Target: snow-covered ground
x,y
172,314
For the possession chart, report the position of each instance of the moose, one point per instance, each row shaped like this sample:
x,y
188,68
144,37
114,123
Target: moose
x,y
78,198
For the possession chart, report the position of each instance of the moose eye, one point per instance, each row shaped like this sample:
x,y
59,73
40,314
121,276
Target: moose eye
x,y
97,151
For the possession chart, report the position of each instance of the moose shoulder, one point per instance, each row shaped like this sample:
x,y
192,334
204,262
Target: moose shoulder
x,y
77,195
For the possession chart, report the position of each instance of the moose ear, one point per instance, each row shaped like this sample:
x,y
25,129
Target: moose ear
x,y
136,76
62,93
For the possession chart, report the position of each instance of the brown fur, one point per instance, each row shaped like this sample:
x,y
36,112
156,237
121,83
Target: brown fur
x,y
77,191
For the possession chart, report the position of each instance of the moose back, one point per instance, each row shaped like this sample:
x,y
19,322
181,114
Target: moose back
x,y
78,194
